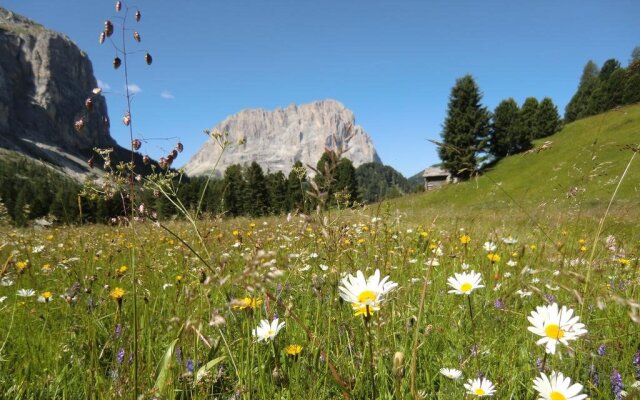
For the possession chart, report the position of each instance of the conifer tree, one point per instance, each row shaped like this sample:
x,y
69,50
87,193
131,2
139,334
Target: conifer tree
x,y
277,186
507,134
256,194
295,187
233,190
548,119
466,129
528,117
345,180
577,106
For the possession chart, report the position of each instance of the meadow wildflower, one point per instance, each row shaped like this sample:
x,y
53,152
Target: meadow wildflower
x,y
451,373
616,385
45,297
493,257
247,303
557,387
2,299
480,387
267,331
117,294
26,292
509,240
489,247
365,295
21,266
465,239
121,270
293,351
465,283
555,325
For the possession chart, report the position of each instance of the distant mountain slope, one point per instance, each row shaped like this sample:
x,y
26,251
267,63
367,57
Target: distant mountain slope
x,y
584,161
277,139
44,82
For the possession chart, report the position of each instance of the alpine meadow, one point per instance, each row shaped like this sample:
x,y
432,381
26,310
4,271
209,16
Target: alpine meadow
x,y
284,260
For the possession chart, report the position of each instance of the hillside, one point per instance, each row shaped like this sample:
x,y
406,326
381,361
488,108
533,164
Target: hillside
x,y
581,164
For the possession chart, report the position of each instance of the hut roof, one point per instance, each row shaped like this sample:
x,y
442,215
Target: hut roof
x,y
434,171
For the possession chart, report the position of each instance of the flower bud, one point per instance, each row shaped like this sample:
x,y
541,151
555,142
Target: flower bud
x,y
136,144
138,16
174,154
102,37
179,147
126,120
108,28
398,365
148,59
146,159
136,36
79,124
163,163
116,63
118,6
88,104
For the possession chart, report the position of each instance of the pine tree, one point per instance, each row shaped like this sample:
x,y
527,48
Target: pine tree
x,y
506,130
233,190
256,194
277,186
466,129
577,106
548,119
528,117
345,181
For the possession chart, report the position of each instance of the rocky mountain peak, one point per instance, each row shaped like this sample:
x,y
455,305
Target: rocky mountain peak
x,y
277,139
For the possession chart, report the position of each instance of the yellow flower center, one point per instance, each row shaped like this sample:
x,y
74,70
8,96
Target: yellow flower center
x,y
47,295
554,332
479,392
367,297
557,396
271,332
466,287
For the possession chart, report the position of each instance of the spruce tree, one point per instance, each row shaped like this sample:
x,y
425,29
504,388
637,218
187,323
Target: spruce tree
x,y
345,181
466,129
506,130
577,106
528,117
277,186
233,191
256,194
548,119
296,187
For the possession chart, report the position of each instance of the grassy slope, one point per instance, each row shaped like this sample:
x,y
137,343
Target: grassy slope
x,y
588,154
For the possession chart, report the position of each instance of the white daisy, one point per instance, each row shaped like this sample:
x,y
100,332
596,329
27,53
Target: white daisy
x,y
489,247
451,373
480,387
365,295
524,293
267,331
465,283
557,387
26,292
555,326
2,299
509,240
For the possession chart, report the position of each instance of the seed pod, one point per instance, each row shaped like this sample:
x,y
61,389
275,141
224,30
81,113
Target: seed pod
x,y
108,28
138,16
88,104
118,6
102,36
79,124
116,63
169,158
179,147
90,162
126,120
136,143
163,163
136,36
174,153
105,122
146,159
148,58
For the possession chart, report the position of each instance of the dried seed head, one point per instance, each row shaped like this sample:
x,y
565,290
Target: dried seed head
x,y
136,36
148,59
163,163
169,158
146,159
179,147
174,154
138,16
105,122
108,28
88,104
398,365
79,124
102,37
126,120
118,6
136,143
117,62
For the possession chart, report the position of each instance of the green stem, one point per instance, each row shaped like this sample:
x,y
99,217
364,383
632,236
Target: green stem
x,y
367,323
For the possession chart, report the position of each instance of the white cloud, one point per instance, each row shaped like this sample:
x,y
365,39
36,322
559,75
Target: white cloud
x,y
165,94
103,85
134,89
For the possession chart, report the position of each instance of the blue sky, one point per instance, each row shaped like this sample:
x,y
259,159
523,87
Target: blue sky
x,y
392,62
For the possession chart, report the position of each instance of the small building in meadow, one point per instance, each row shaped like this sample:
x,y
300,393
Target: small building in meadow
x,y
434,177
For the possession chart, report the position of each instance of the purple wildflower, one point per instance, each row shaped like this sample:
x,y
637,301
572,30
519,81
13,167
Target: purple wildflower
x,y
190,365
602,350
594,376
616,384
118,330
179,354
499,304
120,356
550,298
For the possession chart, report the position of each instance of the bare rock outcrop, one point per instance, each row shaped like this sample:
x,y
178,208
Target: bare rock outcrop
x,y
277,139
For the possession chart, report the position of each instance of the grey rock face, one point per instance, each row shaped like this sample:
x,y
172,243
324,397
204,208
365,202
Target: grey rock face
x,y
44,81
277,139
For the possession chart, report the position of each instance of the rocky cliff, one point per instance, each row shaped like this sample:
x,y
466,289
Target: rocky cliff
x,y
277,139
44,82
